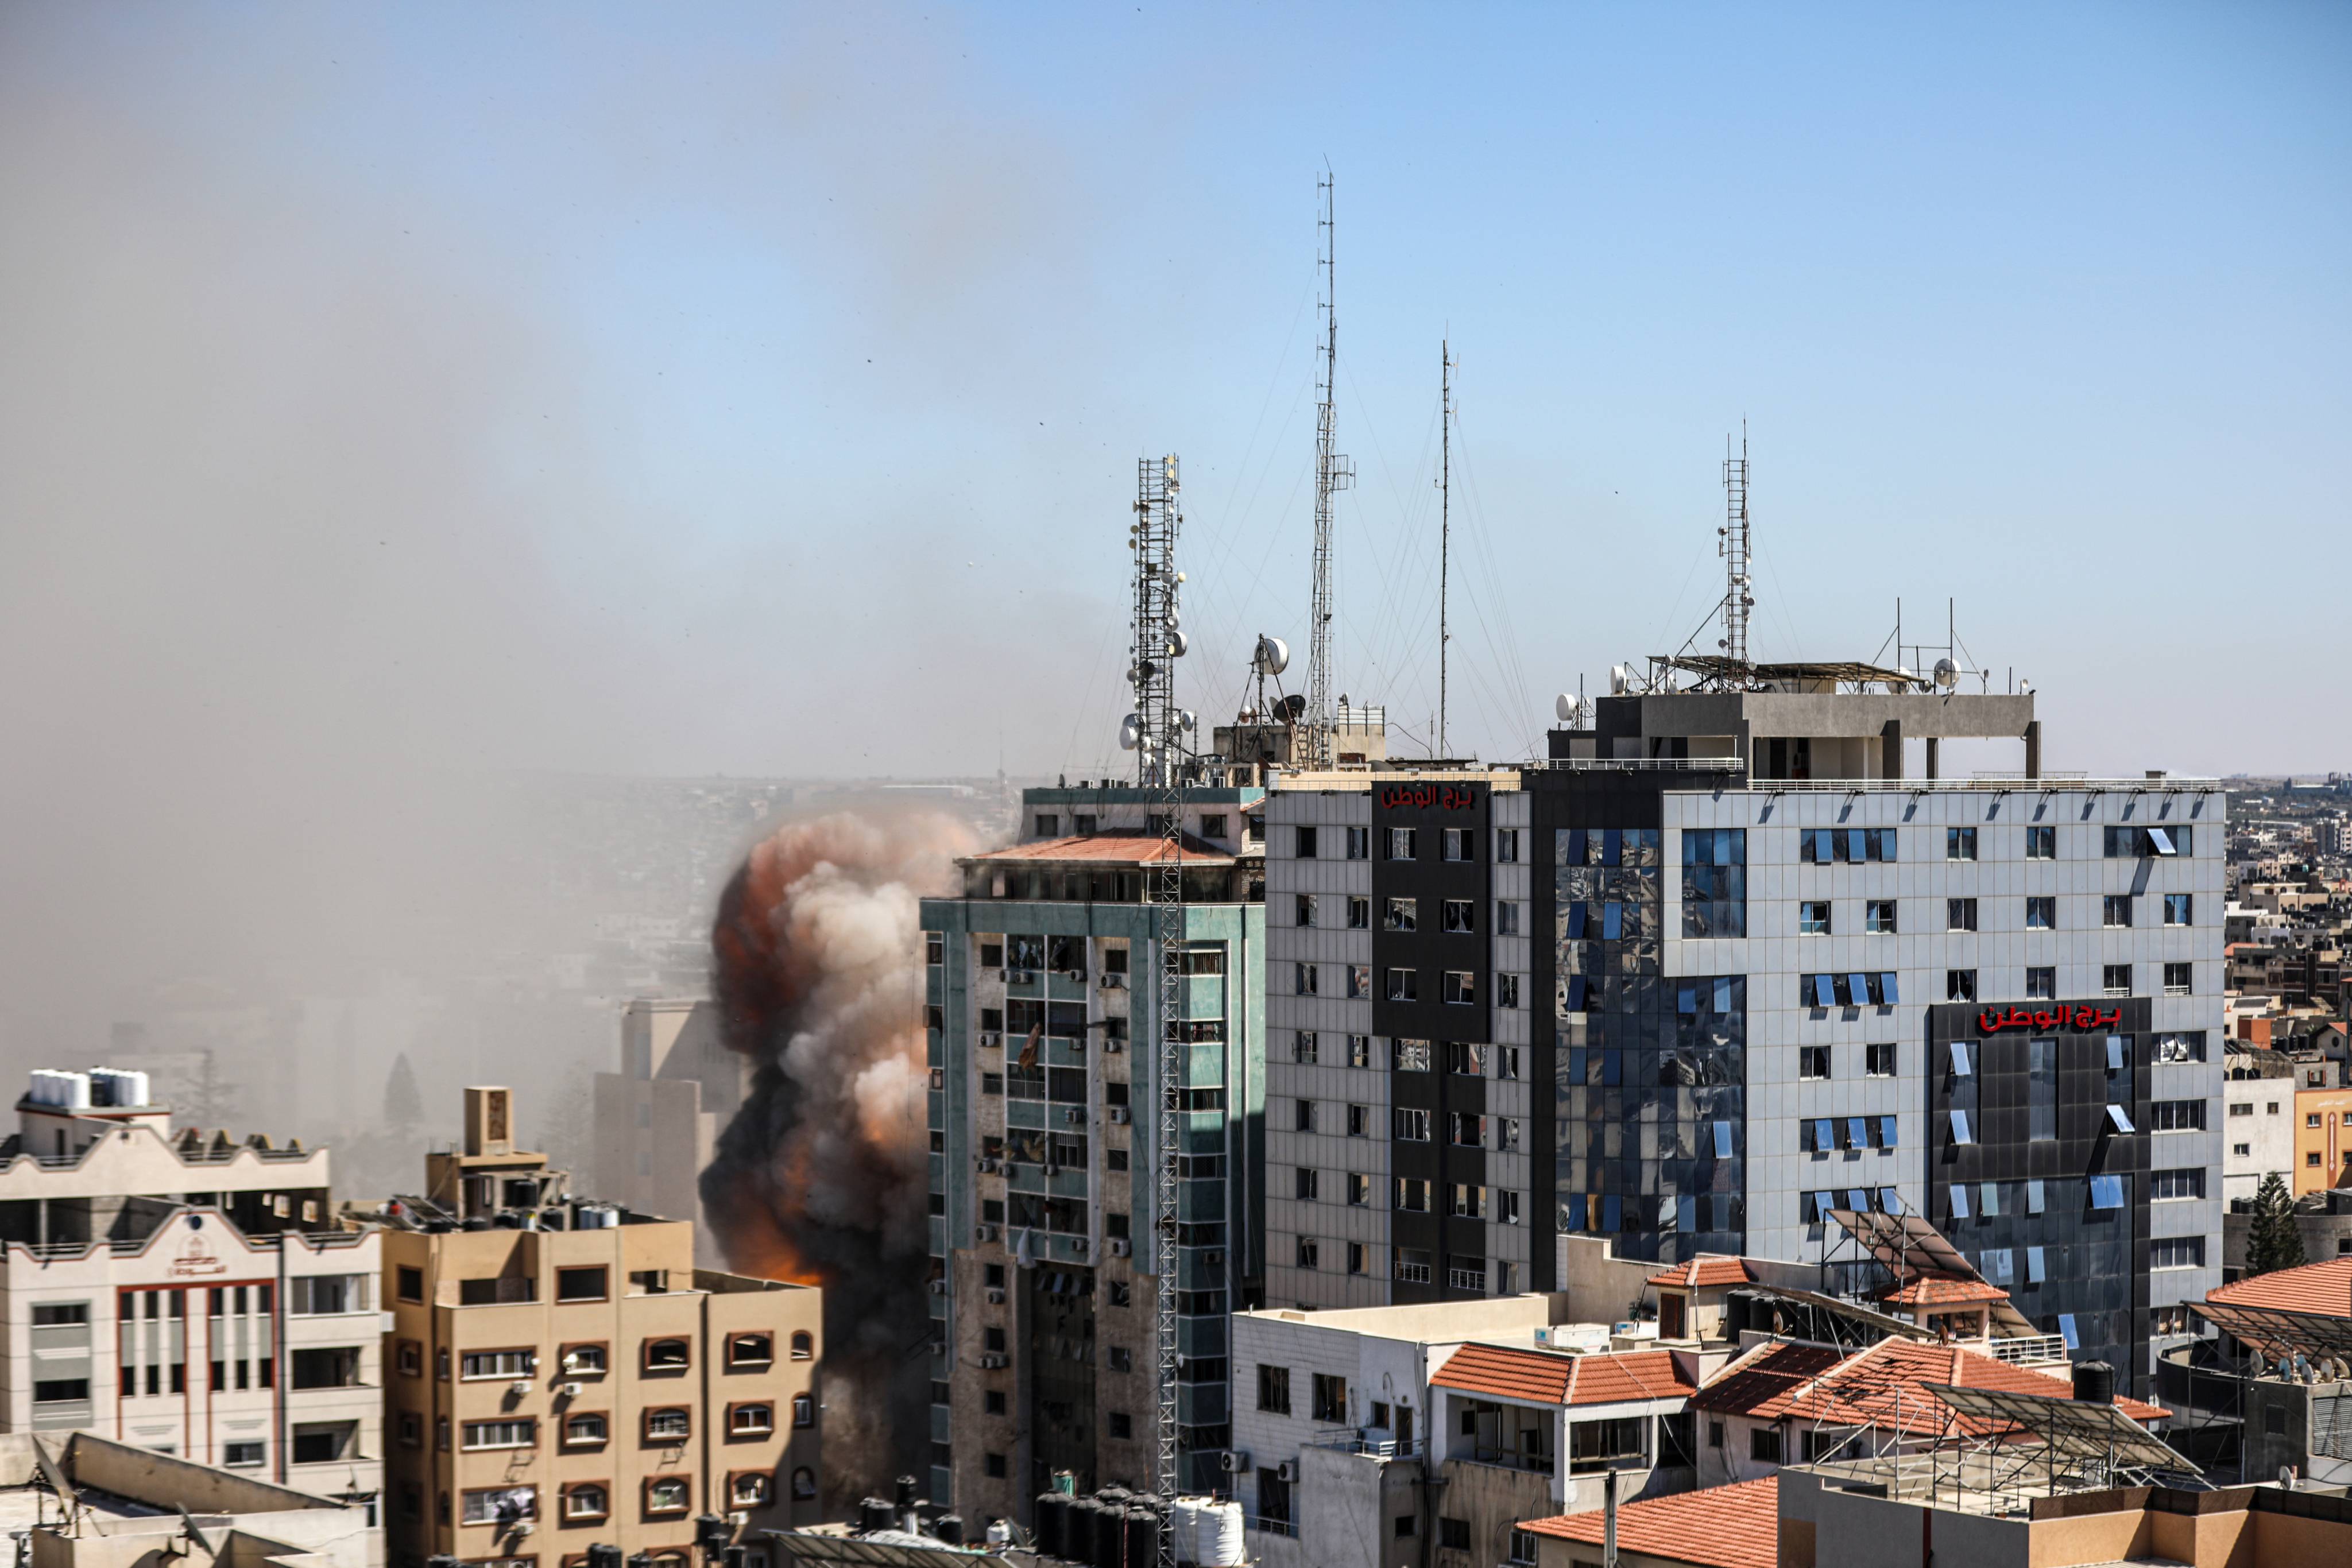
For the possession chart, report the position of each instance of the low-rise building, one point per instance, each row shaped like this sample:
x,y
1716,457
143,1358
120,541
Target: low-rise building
x,y
185,1293
2257,1122
561,1366
2323,1139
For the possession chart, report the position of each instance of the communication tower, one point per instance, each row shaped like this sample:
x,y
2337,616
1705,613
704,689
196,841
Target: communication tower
x,y
1333,473
1732,542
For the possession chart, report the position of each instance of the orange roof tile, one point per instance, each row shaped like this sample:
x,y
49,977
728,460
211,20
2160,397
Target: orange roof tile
x,y
2324,1289
1548,1377
1703,1271
1736,1526
1136,850
1886,1384
1939,1293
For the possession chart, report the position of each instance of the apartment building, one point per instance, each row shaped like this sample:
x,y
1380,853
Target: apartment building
x,y
1767,970
1041,993
2323,1139
2257,1122
658,1119
562,1374
183,1293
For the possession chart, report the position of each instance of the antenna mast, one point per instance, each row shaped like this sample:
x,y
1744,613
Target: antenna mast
x,y
1159,726
1731,543
1445,522
1333,473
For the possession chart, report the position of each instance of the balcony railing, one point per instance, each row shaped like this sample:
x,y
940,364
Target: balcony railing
x,y
1348,1440
1285,1526
1512,1460
2030,1349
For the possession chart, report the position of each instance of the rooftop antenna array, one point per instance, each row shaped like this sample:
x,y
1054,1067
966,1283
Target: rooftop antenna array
x,y
1444,521
1732,543
1333,473
1159,727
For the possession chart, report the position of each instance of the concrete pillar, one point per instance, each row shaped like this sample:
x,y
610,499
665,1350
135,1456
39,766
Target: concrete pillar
x,y
2034,749
1931,756
1890,749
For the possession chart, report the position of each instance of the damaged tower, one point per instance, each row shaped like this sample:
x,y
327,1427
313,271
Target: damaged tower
x,y
1091,994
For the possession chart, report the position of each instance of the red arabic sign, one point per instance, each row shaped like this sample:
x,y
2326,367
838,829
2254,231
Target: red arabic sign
x,y
1445,797
1993,1021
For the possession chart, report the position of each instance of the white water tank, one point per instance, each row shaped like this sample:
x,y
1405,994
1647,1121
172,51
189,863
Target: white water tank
x,y
1219,1539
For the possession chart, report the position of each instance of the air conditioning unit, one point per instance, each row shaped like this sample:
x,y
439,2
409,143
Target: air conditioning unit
x,y
994,1361
1112,1046
1234,1461
1119,1116
984,1232
939,1348
568,1390
1078,1244
996,1298
1077,975
1074,1116
938,1287
1052,1169
1120,1247
991,1043
1114,981
1288,1470
1004,975
986,1163
519,1385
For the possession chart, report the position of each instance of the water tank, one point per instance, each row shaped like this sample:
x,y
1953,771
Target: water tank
x,y
1115,1496
1052,1524
1079,1529
998,1536
1219,1543
2094,1382
1143,1528
903,1493
948,1530
874,1513
1185,1524
1110,1534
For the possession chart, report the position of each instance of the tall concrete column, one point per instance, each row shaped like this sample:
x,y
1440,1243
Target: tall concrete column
x,y
2034,749
1931,757
1890,749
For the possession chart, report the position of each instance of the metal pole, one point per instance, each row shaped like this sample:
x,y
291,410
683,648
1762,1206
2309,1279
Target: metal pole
x,y
1608,1520
1444,523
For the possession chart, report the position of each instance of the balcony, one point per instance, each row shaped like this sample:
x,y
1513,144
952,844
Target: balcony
x,y
1284,1527
1371,1442
2030,1350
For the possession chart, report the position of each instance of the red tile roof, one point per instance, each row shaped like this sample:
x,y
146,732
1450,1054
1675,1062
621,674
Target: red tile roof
x,y
1736,1526
1137,849
1939,1292
1549,1377
2325,1289
1886,1384
1703,1271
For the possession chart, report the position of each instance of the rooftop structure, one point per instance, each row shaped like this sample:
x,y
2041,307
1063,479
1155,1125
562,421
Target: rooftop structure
x,y
658,1119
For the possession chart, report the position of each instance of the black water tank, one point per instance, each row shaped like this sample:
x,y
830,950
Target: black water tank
x,y
1110,1534
1051,1523
948,1530
905,1497
874,1513
1115,1497
1079,1529
2095,1381
1143,1528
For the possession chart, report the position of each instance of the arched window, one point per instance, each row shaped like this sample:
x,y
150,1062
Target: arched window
x,y
804,1483
803,1345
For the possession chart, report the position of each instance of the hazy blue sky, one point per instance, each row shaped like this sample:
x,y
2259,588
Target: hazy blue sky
x,y
686,388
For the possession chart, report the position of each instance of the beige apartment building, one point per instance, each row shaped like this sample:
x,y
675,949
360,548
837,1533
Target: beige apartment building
x,y
658,1119
564,1374
185,1293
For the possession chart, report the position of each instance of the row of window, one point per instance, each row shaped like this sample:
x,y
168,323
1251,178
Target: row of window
x,y
660,1426
2164,1117
1461,1058
584,1501
1458,987
1856,846
1082,824
1879,988
742,1352
1457,917
1414,1195
1413,1124
1814,915
1414,1266
1818,1061
1403,843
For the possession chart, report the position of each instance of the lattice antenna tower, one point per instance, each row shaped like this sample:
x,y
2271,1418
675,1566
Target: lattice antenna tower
x,y
1445,522
1333,474
1158,643
1732,543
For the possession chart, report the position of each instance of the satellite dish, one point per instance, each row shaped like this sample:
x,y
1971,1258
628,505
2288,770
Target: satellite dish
x,y
1570,706
1174,620
1290,708
1948,674
1273,655
1177,643
1189,719
1621,679
1130,730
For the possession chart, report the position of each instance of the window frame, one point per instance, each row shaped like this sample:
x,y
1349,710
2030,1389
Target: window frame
x,y
646,1495
603,1283
566,1350
564,1495
646,1362
651,1438
563,1434
767,1498
736,1434
734,1363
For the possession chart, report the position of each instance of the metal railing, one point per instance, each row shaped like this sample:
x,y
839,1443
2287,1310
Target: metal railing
x,y
1348,1440
1285,1526
2030,1348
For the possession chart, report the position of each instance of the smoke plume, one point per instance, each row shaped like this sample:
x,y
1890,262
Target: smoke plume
x,y
817,968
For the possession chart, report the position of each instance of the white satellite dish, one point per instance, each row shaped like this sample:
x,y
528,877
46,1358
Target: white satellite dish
x,y
1177,643
1948,674
1189,719
1621,679
1130,730
1571,708
1273,655
1174,620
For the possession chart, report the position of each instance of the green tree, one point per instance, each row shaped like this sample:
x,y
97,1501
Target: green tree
x,y
402,1106
2273,1242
